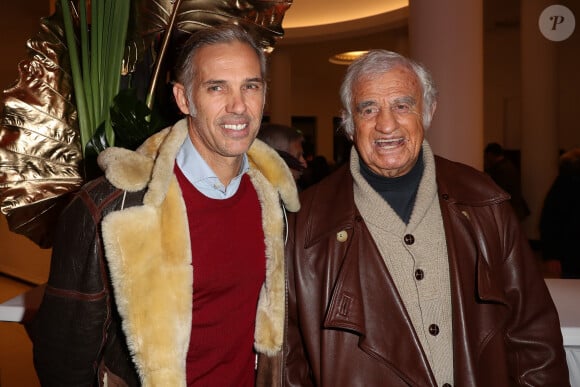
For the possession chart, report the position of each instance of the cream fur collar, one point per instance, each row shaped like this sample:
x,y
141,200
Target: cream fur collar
x,y
152,165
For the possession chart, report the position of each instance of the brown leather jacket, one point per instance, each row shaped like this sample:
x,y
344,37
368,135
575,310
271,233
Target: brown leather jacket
x,y
505,326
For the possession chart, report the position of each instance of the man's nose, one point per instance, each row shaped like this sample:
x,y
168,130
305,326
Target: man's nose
x,y
236,102
386,120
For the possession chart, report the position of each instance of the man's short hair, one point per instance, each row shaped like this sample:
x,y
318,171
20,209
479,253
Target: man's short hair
x,y
494,148
279,136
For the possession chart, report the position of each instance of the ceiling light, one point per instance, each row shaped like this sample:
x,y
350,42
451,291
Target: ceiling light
x,y
346,58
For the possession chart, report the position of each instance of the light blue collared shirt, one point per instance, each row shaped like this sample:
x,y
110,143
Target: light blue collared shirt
x,y
201,175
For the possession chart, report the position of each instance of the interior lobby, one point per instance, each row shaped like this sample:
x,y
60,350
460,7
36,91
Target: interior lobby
x,y
500,80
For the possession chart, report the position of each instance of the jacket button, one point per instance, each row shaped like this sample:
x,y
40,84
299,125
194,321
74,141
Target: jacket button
x,y
409,239
419,274
445,196
433,329
341,236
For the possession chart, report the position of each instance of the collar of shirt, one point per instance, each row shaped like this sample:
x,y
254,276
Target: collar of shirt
x,y
201,176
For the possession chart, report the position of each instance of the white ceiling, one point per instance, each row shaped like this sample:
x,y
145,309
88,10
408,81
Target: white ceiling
x,y
318,19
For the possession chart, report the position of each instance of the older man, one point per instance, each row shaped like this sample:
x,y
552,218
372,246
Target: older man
x,y
407,269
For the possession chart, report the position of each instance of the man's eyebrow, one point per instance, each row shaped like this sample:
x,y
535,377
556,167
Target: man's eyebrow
x,y
255,80
214,82
407,99
364,104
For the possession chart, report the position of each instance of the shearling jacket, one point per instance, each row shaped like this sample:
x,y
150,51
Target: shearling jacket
x,y
117,306
347,324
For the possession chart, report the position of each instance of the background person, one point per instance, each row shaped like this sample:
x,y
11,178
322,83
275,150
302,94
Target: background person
x,y
181,242
288,142
560,219
407,269
504,172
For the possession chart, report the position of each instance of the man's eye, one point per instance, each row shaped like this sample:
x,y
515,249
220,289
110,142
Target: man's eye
x,y
401,108
215,88
253,86
369,111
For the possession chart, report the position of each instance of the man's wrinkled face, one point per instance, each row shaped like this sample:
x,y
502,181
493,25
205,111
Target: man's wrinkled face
x,y
228,95
387,114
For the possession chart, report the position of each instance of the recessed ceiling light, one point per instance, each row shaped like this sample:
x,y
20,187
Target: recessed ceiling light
x,y
346,58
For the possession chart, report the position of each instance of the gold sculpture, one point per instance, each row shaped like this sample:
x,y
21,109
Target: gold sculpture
x,y
41,157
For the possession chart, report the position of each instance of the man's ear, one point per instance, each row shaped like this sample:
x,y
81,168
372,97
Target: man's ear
x,y
181,98
433,108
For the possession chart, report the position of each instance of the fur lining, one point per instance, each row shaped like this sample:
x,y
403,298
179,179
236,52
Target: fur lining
x,y
268,336
132,171
125,169
270,171
163,169
274,168
153,283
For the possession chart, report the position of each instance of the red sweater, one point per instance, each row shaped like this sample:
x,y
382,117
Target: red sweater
x,y
229,265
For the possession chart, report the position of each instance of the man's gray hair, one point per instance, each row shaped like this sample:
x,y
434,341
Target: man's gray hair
x,y
377,62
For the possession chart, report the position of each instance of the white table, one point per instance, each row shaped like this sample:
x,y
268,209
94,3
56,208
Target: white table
x,y
566,296
23,306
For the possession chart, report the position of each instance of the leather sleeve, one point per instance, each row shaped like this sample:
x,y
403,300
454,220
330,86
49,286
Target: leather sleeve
x,y
69,331
513,320
533,336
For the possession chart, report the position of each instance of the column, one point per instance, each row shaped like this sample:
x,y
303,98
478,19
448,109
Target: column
x,y
539,153
447,37
280,87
